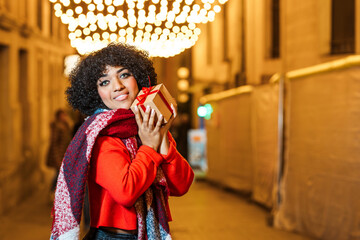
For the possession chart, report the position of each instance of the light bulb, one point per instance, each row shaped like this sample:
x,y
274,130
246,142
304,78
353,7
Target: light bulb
x,y
108,2
58,13
217,8
119,13
110,9
122,32
148,28
207,6
166,31
78,33
69,12
140,5
186,8
131,4
57,6
154,37
176,29
152,8
168,25
100,7
96,36
105,35
129,31
91,7
93,27
196,7
158,30
72,36
78,10
86,31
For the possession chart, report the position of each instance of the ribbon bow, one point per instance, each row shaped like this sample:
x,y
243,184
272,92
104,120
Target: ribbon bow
x,y
146,92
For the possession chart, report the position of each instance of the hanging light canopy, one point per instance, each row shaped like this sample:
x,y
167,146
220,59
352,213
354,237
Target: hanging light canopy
x,y
163,28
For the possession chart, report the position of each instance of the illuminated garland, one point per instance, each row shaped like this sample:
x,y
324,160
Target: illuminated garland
x,y
163,28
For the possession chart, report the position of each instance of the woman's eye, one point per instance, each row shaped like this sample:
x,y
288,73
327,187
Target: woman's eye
x,y
104,83
125,75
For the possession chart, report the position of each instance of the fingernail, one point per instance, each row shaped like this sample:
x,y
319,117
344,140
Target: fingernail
x,y
147,108
152,111
136,108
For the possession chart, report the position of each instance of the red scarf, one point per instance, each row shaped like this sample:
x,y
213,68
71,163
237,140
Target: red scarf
x,y
69,195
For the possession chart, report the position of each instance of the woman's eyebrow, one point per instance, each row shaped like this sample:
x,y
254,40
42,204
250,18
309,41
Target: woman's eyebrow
x,y
118,71
121,69
104,75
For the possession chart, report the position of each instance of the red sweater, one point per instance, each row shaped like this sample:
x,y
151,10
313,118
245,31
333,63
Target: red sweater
x,y
115,182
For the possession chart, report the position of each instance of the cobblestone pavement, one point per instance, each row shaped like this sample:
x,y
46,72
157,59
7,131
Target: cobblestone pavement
x,y
205,212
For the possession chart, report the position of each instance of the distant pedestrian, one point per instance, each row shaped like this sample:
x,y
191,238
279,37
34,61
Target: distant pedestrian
x,y
79,119
60,137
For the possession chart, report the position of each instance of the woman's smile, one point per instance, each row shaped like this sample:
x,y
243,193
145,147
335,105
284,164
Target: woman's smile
x,y
121,97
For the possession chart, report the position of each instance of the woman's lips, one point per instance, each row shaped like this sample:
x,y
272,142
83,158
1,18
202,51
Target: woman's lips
x,y
121,97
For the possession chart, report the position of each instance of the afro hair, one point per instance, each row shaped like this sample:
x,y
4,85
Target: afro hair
x,y
83,94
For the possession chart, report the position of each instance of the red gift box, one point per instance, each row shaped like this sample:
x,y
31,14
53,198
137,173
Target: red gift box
x,y
158,98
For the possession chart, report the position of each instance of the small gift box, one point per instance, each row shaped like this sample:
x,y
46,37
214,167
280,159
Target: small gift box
x,y
158,98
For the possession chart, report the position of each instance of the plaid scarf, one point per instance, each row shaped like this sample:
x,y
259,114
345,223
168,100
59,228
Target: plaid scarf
x,y
150,208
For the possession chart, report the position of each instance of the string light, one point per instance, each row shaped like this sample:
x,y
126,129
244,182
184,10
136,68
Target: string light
x,y
163,28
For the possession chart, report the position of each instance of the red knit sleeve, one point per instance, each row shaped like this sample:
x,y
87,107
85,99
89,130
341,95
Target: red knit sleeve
x,y
125,180
177,170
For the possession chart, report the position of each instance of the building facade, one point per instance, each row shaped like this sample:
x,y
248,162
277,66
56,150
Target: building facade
x,y
282,78
33,45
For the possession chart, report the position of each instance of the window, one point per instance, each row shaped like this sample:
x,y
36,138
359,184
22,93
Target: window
x,y
39,14
275,29
23,96
4,76
343,26
51,29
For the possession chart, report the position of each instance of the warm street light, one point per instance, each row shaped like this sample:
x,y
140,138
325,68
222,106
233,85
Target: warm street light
x,y
163,28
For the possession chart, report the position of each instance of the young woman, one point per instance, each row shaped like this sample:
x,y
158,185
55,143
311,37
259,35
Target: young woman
x,y
129,160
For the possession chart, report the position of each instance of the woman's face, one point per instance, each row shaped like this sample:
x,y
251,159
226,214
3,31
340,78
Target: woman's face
x,y
117,87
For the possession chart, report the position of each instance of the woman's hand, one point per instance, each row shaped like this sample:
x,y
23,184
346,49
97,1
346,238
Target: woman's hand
x,y
149,131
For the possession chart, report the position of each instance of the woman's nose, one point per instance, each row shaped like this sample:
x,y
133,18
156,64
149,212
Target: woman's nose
x,y
118,84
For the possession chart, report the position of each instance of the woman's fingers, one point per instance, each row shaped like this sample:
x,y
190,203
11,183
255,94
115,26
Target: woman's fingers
x,y
173,116
152,118
146,115
138,117
159,123
174,110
